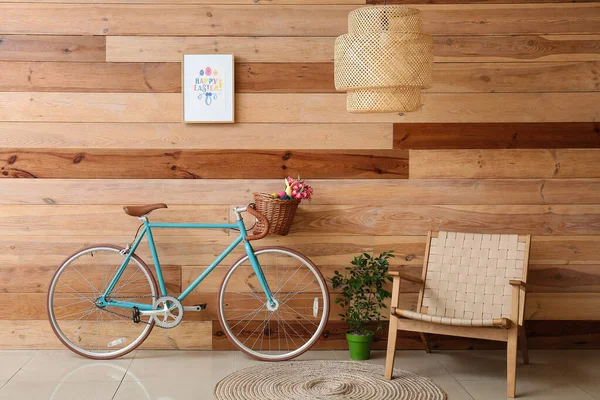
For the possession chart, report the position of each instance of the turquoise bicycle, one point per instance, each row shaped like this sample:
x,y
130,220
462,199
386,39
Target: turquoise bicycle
x,y
103,301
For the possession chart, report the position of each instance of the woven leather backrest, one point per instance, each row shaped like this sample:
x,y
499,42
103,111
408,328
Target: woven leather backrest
x,y
467,274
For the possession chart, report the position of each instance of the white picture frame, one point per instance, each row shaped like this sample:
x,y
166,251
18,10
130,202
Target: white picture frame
x,y
208,88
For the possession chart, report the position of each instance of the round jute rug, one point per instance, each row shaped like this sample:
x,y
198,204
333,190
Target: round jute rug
x,y
324,380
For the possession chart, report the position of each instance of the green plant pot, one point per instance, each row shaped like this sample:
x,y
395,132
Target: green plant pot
x,y
360,346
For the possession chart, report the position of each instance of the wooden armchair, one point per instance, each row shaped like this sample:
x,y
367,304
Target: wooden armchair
x,y
473,285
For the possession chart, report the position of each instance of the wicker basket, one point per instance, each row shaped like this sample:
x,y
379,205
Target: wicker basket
x,y
280,213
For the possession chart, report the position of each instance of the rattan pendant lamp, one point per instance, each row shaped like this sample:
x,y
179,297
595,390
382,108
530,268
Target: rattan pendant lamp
x,y
384,61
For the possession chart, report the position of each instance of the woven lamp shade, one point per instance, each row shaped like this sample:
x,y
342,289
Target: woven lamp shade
x,y
384,61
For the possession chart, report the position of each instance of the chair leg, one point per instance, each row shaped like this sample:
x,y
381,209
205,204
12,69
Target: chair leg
x,y
426,343
523,344
391,349
511,361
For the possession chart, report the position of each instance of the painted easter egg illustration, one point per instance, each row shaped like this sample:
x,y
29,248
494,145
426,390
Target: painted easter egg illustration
x,y
215,72
208,71
201,72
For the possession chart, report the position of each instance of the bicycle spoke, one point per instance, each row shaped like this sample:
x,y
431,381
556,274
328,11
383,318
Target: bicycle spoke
x,y
128,281
96,291
304,327
94,331
292,293
253,314
292,328
249,336
298,282
80,296
262,330
296,328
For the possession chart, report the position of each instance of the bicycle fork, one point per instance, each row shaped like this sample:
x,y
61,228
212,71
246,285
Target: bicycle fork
x,y
272,303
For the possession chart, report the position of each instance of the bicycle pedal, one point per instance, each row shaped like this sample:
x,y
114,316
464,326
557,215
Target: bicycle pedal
x,y
195,307
136,315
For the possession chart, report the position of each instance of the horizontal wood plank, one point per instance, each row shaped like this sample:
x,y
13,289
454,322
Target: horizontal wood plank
x,y
37,334
497,136
565,250
575,278
447,48
540,306
541,335
285,20
37,257
547,164
409,251
192,334
292,77
157,77
407,300
161,19
246,49
239,282
563,306
417,220
52,48
298,108
209,2
90,77
563,334
33,306
546,251
411,2
515,77
497,19
19,277
203,164
334,192
528,48
103,220
195,136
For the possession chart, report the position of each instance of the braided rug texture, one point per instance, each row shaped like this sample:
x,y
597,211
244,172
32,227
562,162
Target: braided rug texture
x,y
324,380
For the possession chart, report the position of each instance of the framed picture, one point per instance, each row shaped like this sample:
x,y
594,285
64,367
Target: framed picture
x,y
208,88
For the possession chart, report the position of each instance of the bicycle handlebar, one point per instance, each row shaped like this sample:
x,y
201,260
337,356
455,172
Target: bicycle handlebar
x,y
260,217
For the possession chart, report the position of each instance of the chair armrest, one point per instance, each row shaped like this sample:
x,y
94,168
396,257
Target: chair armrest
x,y
406,277
520,284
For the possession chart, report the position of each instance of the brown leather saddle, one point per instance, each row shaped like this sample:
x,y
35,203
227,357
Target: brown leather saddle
x,y
140,211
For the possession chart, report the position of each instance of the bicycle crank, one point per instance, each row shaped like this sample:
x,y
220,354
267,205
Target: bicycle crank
x,y
167,313
195,307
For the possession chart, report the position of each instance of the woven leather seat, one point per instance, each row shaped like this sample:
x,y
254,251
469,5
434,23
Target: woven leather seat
x,y
472,284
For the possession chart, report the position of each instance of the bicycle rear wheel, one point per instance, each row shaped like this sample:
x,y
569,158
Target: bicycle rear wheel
x,y
291,327
83,326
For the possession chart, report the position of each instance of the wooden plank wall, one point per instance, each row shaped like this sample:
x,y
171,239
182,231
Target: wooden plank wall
x,y
507,141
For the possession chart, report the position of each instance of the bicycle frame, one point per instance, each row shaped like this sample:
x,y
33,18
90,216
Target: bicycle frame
x,y
147,231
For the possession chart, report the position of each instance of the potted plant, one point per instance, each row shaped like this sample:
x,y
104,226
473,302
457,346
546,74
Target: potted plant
x,y
362,297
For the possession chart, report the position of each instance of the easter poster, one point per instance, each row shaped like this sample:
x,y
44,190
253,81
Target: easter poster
x,y
208,88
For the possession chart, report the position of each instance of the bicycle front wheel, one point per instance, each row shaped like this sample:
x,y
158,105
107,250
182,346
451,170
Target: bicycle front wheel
x,y
281,331
90,330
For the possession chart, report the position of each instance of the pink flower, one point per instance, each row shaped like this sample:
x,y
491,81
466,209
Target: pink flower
x,y
299,188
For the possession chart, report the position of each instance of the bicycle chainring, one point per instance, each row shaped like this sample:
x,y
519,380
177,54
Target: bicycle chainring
x,y
173,312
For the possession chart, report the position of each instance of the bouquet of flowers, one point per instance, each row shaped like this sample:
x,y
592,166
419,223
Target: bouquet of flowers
x,y
295,189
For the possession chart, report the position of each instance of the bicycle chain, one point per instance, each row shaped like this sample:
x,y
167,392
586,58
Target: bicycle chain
x,y
128,317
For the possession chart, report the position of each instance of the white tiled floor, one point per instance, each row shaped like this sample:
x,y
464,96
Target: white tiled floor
x,y
173,375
